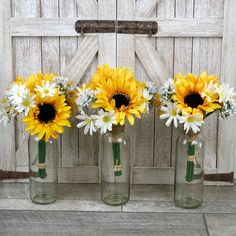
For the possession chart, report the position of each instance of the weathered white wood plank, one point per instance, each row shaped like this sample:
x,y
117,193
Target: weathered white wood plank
x,y
145,7
26,60
166,27
107,42
68,46
50,45
221,224
151,60
87,7
81,60
79,174
226,139
88,156
207,57
165,49
182,58
7,135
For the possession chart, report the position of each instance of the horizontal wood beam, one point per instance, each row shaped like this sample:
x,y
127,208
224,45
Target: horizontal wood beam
x,y
184,27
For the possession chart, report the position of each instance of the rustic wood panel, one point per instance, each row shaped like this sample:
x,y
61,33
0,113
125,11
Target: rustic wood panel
x,y
26,60
167,27
207,57
88,147
68,46
165,48
145,7
226,155
7,135
182,58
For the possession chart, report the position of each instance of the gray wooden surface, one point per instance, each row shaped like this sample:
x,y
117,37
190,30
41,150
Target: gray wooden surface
x,y
150,211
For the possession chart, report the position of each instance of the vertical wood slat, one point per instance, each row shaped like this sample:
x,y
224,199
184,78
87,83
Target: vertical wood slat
x,y
126,57
165,48
226,148
68,46
182,58
87,156
7,134
207,57
143,131
26,60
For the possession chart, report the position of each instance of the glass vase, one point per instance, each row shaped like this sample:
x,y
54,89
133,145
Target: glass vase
x,y
189,171
115,167
43,170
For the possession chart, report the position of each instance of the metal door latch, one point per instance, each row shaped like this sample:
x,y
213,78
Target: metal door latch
x,y
119,27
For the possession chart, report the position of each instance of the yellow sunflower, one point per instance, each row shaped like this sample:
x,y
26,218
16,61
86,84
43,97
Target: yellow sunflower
x,y
48,117
118,91
37,79
189,90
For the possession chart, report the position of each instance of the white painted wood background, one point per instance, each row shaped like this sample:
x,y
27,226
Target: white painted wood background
x,y
193,36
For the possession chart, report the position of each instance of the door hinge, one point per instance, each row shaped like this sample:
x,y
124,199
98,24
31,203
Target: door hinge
x,y
119,27
219,177
13,175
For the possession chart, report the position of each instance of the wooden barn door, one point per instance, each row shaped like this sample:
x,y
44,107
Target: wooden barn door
x,y
193,35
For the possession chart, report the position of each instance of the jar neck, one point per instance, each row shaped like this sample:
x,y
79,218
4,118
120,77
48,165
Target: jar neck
x,y
191,135
117,129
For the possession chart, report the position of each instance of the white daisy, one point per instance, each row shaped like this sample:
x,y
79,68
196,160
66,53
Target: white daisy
x,y
192,122
226,93
4,118
105,120
171,112
16,92
210,92
147,95
27,103
47,89
88,122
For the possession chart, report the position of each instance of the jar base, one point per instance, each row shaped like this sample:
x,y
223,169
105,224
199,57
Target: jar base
x,y
188,203
115,199
43,199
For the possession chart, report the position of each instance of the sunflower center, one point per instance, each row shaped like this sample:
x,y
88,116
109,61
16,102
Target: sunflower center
x,y
47,113
121,99
193,100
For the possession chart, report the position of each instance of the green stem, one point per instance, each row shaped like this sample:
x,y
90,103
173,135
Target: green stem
x,y
42,159
190,162
116,159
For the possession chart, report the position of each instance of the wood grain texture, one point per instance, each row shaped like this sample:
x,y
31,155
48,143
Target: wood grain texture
x,y
107,223
221,224
88,146
68,47
226,154
207,57
145,7
165,48
7,135
166,27
26,60
182,58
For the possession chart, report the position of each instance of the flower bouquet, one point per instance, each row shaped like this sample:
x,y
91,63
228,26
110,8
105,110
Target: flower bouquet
x,y
112,96
45,102
189,100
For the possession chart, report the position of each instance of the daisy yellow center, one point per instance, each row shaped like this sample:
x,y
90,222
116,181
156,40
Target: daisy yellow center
x,y
121,100
208,93
47,113
89,121
173,112
46,91
190,119
193,100
26,103
106,119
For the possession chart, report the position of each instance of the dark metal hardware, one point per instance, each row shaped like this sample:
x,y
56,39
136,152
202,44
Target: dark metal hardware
x,y
13,175
120,27
220,177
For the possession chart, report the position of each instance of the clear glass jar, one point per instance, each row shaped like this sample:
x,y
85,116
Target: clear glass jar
x,y
115,167
189,170
43,170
